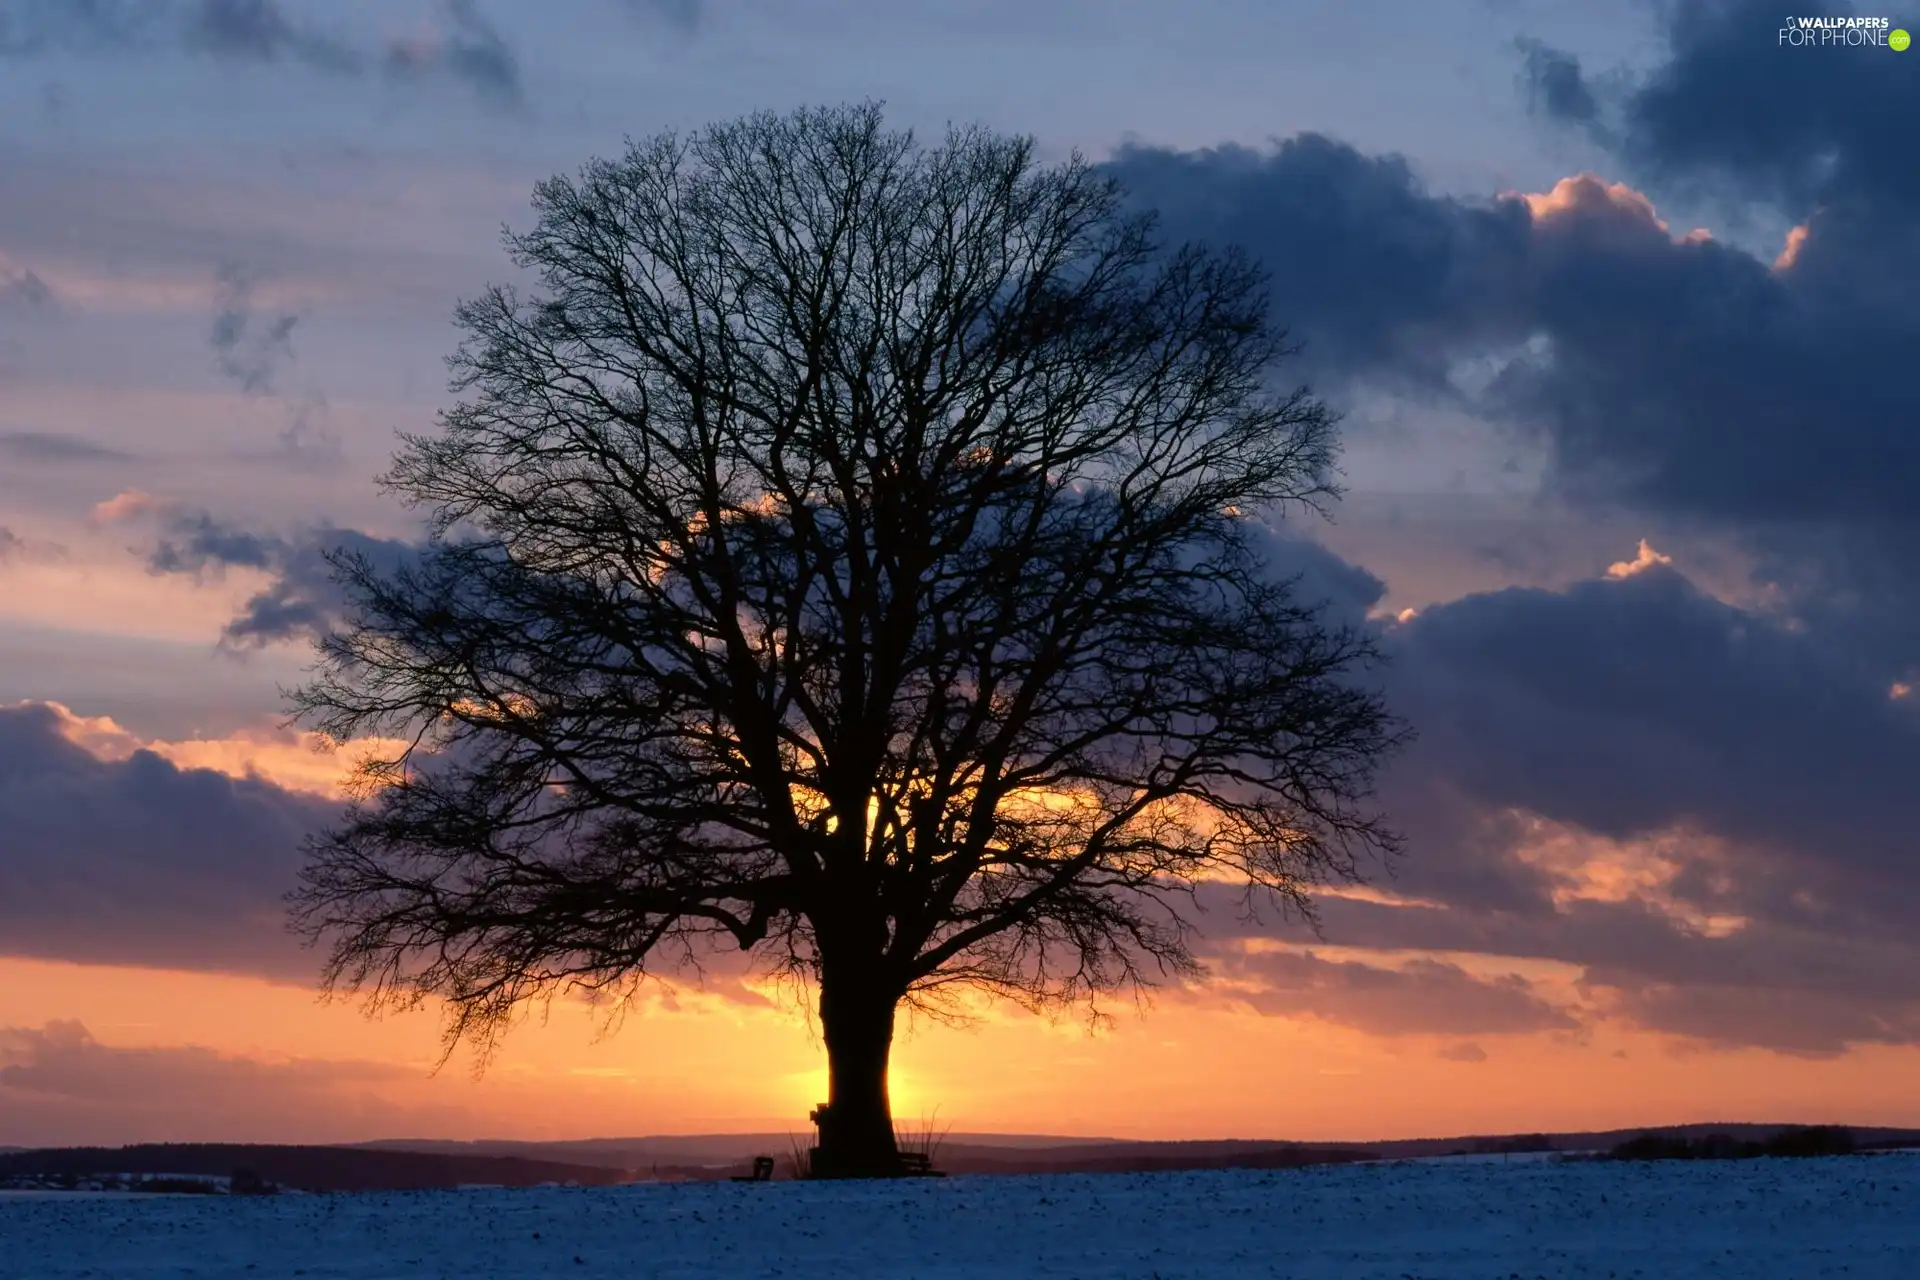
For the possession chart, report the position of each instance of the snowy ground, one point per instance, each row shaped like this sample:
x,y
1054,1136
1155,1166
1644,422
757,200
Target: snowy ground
x,y
1857,1217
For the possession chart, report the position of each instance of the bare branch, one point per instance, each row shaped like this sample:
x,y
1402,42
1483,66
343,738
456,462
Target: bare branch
x,y
850,552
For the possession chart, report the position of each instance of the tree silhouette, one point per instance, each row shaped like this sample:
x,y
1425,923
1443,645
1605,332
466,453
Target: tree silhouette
x,y
849,552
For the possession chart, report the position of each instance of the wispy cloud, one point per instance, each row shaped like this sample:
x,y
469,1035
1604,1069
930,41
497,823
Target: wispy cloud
x,y
15,547
242,30
21,287
253,348
1418,997
682,14
60,1085
43,446
128,504
248,348
303,600
261,30
461,44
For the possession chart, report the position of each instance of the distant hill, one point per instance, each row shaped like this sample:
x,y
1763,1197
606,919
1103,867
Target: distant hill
x,y
1866,1137
715,1149
717,1154
1142,1157
401,1164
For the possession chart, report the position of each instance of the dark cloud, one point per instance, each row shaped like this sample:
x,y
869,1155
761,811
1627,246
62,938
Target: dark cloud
x,y
1674,373
1680,377
1659,371
1555,84
1807,127
1740,1014
1731,110
1804,991
59,1086
468,48
1704,810
197,544
1420,997
1708,405
303,599
1343,590
42,446
1638,704
139,862
1376,276
1462,850
1745,781
10,544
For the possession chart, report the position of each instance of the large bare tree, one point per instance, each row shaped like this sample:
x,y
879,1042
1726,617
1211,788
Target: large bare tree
x,y
848,552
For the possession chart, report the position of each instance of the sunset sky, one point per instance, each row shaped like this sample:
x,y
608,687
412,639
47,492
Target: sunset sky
x,y
1620,303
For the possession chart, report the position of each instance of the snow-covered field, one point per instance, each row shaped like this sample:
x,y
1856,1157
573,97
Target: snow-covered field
x,y
1857,1217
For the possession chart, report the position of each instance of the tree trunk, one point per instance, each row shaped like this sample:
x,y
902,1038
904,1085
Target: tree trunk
x,y
856,1126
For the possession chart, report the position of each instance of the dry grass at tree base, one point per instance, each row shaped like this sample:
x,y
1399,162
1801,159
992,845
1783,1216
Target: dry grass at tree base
x,y
919,1146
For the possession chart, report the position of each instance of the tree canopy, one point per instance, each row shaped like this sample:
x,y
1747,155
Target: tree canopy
x,y
849,551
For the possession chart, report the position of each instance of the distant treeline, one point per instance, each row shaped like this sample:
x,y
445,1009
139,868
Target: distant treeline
x,y
1815,1140
304,1168
1147,1161
1518,1144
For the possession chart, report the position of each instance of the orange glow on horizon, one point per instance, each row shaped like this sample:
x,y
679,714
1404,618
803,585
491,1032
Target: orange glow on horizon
x,y
698,1064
